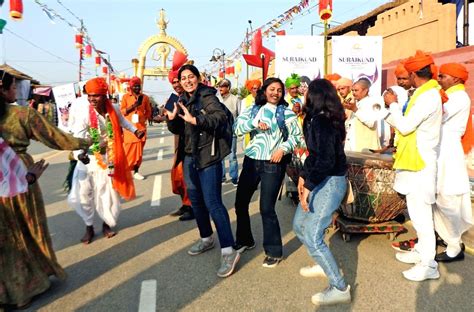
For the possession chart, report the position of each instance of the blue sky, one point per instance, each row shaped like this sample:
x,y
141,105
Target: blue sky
x,y
120,26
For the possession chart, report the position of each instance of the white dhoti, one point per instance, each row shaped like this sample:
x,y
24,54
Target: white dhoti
x,y
92,190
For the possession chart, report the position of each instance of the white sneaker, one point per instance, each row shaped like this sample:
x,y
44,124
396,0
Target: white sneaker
x,y
332,295
411,257
138,176
312,271
421,272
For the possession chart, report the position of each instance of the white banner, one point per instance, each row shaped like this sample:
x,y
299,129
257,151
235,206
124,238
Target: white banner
x,y
302,55
64,96
356,57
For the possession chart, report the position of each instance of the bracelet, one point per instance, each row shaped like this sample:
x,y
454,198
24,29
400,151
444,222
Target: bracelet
x,y
31,178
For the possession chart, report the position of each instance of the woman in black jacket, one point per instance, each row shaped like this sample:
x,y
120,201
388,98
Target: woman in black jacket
x,y
199,119
322,186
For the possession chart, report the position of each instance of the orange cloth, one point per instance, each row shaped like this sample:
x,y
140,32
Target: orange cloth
x,y
400,70
122,179
455,70
332,77
420,60
467,139
172,75
250,83
134,153
97,86
143,111
178,185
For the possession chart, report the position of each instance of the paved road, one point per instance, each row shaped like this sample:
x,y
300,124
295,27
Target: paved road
x,y
145,267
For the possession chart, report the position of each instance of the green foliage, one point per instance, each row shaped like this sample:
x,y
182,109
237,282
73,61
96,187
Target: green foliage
x,y
243,92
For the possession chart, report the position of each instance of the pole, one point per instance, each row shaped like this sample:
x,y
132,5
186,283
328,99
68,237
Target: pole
x,y
262,56
80,55
465,41
223,64
247,50
325,47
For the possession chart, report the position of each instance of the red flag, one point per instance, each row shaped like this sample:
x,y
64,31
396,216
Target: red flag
x,y
260,56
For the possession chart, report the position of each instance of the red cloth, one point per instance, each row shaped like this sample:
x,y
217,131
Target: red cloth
x,y
134,81
467,139
177,184
455,70
97,86
172,75
122,179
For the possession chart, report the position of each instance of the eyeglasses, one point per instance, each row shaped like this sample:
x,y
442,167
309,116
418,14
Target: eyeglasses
x,y
223,86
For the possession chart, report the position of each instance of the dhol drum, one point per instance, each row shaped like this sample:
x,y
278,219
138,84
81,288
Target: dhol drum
x,y
372,177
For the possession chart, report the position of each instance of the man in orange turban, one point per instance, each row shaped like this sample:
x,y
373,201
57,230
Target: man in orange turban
x,y
98,180
453,213
403,77
252,86
333,78
136,108
418,123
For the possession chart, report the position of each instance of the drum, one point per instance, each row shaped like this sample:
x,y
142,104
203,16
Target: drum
x,y
371,177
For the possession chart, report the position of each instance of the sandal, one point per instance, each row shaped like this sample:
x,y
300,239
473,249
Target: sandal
x,y
405,246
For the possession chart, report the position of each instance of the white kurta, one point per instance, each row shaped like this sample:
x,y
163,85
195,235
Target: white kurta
x,y
424,117
362,127
91,186
453,213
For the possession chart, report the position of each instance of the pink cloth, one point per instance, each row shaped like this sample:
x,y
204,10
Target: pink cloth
x,y
12,172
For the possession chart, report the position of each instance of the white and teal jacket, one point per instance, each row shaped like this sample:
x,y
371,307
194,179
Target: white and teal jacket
x,y
265,143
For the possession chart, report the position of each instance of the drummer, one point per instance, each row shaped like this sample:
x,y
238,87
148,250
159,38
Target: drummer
x,y
418,123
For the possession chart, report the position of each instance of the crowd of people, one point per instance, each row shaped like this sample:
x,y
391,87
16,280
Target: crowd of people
x,y
424,121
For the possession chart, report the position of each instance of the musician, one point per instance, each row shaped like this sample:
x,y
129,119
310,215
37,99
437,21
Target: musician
x,y
418,124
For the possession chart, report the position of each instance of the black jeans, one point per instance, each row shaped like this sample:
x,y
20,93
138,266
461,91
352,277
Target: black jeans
x,y
271,175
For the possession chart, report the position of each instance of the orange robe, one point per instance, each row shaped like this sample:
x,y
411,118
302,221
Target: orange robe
x,y
132,145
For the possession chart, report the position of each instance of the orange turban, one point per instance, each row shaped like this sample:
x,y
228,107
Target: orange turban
x,y
97,86
400,70
172,75
332,77
455,70
250,83
135,81
418,61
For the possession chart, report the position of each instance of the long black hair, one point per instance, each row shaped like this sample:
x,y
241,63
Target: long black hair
x,y
261,99
6,82
322,98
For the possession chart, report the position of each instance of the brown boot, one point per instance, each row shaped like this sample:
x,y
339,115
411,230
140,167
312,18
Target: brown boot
x,y
89,235
107,231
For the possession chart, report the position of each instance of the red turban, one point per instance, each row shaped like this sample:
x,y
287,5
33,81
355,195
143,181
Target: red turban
x,y
250,83
172,75
134,81
455,70
400,70
332,77
97,86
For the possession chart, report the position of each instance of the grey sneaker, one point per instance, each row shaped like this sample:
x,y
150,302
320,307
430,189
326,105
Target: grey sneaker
x,y
332,295
228,263
201,247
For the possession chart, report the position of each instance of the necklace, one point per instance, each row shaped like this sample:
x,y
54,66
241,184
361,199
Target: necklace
x,y
94,132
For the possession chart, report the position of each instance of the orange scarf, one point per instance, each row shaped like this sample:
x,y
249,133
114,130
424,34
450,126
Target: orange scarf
x,y
122,179
467,139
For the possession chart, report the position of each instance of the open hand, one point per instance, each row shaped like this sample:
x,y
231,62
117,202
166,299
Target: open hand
x,y
186,116
38,168
277,155
172,115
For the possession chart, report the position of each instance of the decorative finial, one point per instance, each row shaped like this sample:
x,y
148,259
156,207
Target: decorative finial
x,y
162,23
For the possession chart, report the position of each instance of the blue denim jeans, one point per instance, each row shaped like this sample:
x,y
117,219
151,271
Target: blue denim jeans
x,y
233,164
271,175
310,227
205,192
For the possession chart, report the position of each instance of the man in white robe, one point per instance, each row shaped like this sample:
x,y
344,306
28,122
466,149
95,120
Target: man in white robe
x,y
92,187
418,124
453,212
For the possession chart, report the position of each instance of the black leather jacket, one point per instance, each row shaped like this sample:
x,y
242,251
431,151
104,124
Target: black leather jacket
x,y
200,140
